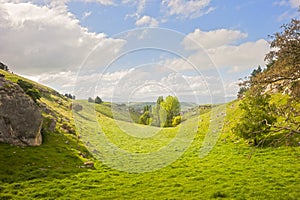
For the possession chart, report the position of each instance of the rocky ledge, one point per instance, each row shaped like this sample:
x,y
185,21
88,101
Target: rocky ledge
x,y
20,118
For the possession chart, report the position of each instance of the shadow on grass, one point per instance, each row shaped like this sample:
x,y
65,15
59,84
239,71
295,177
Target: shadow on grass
x,y
58,157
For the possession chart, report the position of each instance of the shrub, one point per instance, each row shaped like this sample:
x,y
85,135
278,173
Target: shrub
x,y
145,118
176,120
257,118
98,100
29,90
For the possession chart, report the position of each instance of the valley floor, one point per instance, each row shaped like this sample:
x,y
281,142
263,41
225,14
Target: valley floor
x,y
231,170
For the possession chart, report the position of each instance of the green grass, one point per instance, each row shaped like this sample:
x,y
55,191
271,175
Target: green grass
x,y
14,78
232,170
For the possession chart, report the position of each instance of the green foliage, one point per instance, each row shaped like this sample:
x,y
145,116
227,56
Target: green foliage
x,y
147,108
156,111
24,84
176,120
34,93
145,118
257,118
118,112
3,67
170,108
70,96
269,119
98,100
274,118
231,171
29,89
242,92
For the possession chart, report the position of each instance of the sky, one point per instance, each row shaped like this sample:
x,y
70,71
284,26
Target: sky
x,y
129,50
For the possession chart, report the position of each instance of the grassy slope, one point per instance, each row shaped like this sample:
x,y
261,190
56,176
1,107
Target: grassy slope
x,y
231,170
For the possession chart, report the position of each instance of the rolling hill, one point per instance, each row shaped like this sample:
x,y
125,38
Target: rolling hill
x,y
199,159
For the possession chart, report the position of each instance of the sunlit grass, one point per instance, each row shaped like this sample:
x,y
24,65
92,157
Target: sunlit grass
x,y
230,171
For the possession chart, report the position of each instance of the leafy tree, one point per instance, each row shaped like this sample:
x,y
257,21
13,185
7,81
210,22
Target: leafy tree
x,y
70,96
3,67
145,118
283,62
91,100
170,108
286,45
147,108
274,119
242,92
257,116
160,99
156,111
98,100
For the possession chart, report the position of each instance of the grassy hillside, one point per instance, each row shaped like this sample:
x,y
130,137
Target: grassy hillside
x,y
231,170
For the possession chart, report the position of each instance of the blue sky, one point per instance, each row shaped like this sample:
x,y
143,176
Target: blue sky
x,y
257,18
136,50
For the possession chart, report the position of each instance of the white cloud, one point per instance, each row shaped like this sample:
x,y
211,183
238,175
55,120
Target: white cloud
x,y
292,11
222,50
146,21
37,39
104,2
187,8
291,3
245,56
212,39
86,15
294,3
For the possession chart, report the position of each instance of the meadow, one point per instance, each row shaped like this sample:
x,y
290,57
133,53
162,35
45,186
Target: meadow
x,y
231,170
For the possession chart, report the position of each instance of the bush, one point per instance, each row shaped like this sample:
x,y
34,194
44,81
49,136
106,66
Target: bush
x,y
29,90
257,118
34,94
98,100
145,118
91,100
176,120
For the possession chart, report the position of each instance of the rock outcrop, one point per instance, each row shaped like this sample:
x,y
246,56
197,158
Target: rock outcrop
x,y
20,118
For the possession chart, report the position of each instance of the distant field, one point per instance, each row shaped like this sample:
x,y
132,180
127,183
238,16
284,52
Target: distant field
x,y
232,170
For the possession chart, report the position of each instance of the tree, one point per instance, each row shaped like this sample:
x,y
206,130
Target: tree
x,y
156,111
170,108
98,100
284,60
91,100
3,67
70,96
147,108
257,116
145,118
274,118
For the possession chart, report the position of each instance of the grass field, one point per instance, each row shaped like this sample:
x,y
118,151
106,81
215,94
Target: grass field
x,y
231,170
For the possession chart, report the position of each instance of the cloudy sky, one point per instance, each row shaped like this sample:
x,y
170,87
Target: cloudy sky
x,y
130,50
